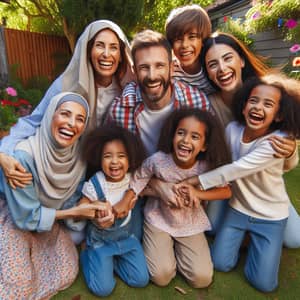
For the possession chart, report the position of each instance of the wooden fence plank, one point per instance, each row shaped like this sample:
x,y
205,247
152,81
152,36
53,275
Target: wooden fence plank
x,y
34,52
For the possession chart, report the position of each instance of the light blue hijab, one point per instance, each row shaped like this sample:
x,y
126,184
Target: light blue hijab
x,y
59,169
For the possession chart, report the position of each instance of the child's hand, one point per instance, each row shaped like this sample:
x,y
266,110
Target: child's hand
x,y
188,193
105,222
283,147
104,209
122,208
104,217
165,191
85,210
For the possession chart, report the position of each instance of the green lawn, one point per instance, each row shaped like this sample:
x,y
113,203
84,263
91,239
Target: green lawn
x,y
225,286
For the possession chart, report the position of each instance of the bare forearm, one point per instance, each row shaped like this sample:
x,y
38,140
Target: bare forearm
x,y
65,214
84,200
194,181
153,188
219,193
129,196
81,211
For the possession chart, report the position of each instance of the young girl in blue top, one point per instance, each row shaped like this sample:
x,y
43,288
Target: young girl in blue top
x,y
110,247
259,205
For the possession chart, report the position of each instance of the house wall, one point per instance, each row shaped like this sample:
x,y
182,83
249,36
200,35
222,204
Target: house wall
x,y
269,44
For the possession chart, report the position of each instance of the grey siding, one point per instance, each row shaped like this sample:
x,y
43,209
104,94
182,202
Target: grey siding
x,y
236,10
268,44
271,44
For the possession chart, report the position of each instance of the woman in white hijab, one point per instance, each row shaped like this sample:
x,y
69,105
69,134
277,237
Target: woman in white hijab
x,y
37,255
99,68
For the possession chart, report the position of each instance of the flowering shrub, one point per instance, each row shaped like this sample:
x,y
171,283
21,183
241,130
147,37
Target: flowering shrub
x,y
12,107
276,15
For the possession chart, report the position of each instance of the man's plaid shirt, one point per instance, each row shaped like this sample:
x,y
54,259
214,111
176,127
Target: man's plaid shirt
x,y
125,109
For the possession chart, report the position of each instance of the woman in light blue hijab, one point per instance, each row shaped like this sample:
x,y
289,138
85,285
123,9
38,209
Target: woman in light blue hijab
x,y
37,255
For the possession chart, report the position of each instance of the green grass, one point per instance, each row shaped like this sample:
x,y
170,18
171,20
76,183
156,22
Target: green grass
x,y
230,285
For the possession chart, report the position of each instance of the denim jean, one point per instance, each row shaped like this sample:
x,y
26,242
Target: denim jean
x,y
125,257
291,237
264,250
137,218
216,211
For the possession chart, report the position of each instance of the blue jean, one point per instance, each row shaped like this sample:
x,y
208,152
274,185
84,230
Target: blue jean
x,y
291,237
125,257
137,218
216,211
264,251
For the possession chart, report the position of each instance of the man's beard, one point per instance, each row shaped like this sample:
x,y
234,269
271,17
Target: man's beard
x,y
154,97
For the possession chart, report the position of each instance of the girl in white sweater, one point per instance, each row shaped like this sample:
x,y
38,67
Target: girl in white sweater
x,y
259,205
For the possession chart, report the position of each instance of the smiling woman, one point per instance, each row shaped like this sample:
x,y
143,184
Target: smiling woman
x,y
105,56
228,63
99,68
68,123
34,246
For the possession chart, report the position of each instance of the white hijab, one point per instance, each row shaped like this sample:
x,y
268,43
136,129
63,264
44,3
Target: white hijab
x,y
79,75
59,170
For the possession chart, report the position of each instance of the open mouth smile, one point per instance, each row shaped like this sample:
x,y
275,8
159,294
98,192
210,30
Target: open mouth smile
x,y
255,118
226,78
186,54
65,133
105,64
183,151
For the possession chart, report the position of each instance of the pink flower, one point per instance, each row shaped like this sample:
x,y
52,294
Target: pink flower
x,y
291,23
296,61
295,48
256,15
11,91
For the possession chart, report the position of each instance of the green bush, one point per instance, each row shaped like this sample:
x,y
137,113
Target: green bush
x,y
236,28
34,89
265,15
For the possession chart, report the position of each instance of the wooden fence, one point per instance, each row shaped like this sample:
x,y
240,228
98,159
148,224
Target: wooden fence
x,y
34,53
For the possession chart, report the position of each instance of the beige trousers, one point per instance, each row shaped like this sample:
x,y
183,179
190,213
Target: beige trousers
x,y
190,255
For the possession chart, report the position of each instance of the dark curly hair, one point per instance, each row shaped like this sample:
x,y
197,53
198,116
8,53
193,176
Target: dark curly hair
x,y
216,153
95,141
289,110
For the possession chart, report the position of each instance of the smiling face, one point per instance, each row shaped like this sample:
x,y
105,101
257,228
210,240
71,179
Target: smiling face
x,y
260,111
68,123
188,142
115,162
105,56
152,68
187,49
224,67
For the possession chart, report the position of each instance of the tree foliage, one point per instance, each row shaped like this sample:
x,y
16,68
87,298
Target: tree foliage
x,y
77,14
157,11
237,28
33,15
69,17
